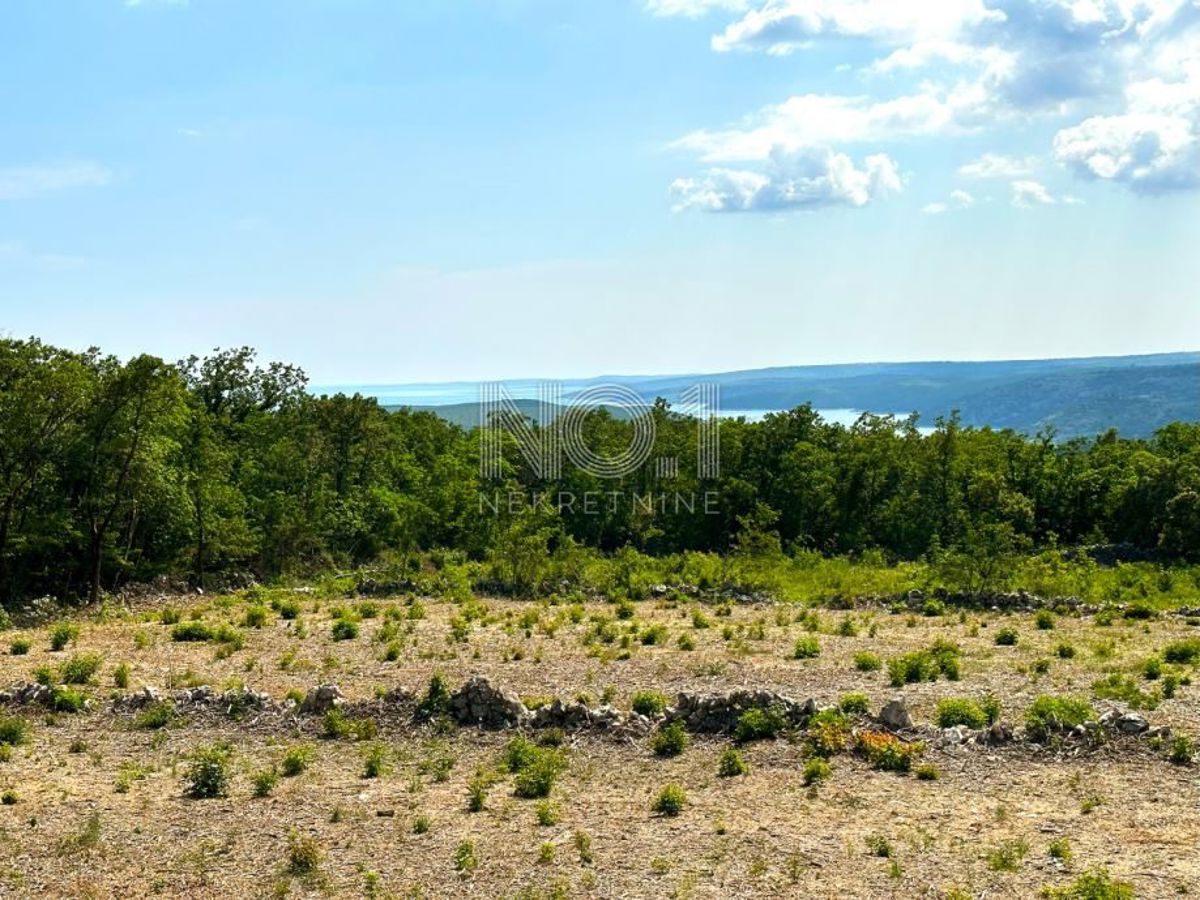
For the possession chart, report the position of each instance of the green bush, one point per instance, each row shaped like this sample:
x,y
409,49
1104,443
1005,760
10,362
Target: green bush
x,y
670,801
865,661
1044,620
671,739
1183,652
264,782
854,704
1065,651
960,711
19,646
80,668
436,701
208,773
759,724
649,703
941,659
807,647
256,617
1121,687
295,760
62,634
157,715
304,856
68,700
1049,714
344,630
816,769
1183,750
731,764
1094,885
13,731
193,631
1006,637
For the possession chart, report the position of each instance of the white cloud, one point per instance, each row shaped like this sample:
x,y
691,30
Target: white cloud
x,y
994,165
963,199
1027,194
1152,148
935,209
809,179
958,200
23,182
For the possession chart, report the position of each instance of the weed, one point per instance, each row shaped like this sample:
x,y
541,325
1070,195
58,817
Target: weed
x,y
1044,620
807,647
1007,857
671,739
62,634
1094,885
121,676
208,773
670,801
295,760
19,646
157,715
854,704
878,845
547,814
1049,714
465,859
816,770
759,724
649,703
375,761
865,661
1183,749
421,825
1006,637
264,782
731,764
304,854
14,731
1065,651
1060,849
887,752
927,772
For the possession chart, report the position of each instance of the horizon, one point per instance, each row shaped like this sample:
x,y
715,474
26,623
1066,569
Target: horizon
x,y
422,192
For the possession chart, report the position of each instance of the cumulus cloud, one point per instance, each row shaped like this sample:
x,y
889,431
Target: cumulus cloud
x,y
809,179
995,165
24,182
1029,194
958,200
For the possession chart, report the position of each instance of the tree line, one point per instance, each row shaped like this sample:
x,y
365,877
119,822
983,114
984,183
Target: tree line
x,y
120,470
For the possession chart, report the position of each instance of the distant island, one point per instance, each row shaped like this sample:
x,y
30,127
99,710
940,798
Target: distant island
x,y
1075,397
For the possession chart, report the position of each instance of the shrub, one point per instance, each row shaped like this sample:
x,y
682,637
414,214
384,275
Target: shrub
x,y
887,752
436,701
256,617
264,782
536,779
991,708
1006,637
547,814
866,661
80,668
19,647
649,703
759,724
928,772
1008,856
878,845
304,855
1065,651
1183,748
13,731
1152,669
157,715
731,764
121,676
1121,687
1044,620
670,800
807,647
828,732
193,632
933,607
289,609
344,630
671,740
960,711
375,761
1060,849
295,760
1183,652
208,773
9,798
1094,885
477,792
1049,714
420,825
854,704
465,859
65,699
62,634
925,665
816,770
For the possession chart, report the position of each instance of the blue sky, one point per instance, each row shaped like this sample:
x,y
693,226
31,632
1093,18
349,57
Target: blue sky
x,y
401,191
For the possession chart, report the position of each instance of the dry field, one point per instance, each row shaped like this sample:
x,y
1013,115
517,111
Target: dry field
x,y
96,803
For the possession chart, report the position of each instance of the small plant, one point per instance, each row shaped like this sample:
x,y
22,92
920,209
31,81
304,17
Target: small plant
x,y
255,617
758,724
208,773
13,731
1006,637
304,855
1183,750
878,845
927,772
1121,687
1152,669
1060,849
816,770
649,703
887,752
547,814
19,646
1044,620
854,704
1183,652
731,764
344,630
68,700
828,732
1007,857
465,859
375,761
865,661
436,701
295,760
62,634
583,846
121,676
671,740
1050,714
264,782
158,714
1065,651
477,789
960,711
9,797
80,668
807,647
1094,885
941,659
546,852
670,801
420,825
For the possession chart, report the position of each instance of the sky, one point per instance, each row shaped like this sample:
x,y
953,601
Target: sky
x,y
429,190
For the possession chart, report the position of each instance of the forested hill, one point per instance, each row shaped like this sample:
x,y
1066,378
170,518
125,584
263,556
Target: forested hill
x,y
1078,397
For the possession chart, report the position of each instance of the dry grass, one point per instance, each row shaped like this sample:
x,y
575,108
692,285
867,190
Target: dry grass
x,y
761,834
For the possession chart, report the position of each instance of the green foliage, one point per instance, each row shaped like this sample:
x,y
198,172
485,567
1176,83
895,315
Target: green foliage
x,y
436,701
62,634
1121,687
807,647
1007,857
1044,619
670,801
209,772
731,764
157,715
816,769
941,659
13,731
1094,885
865,661
80,668
854,704
1060,849
649,703
670,740
304,854
344,630
758,724
1183,750
264,782
1185,652
536,768
65,699
960,711
296,760
887,752
19,646
1006,637
465,859
1051,714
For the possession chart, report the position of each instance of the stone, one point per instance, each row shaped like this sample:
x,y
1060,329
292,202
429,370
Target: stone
x,y
1132,723
479,702
321,699
895,715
